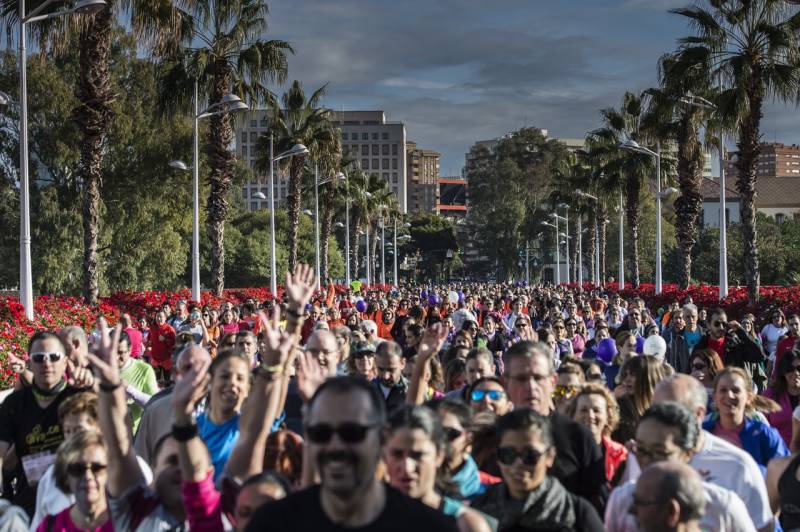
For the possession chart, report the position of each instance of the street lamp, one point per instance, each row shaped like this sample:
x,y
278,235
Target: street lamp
x,y
317,183
702,103
632,146
556,217
588,196
25,273
295,151
558,252
227,104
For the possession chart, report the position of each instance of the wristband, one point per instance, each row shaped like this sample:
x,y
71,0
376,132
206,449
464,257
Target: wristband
x,y
184,434
270,372
109,387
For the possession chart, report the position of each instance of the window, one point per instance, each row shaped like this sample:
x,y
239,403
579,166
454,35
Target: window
x,y
365,164
244,192
345,136
365,136
385,149
779,218
385,164
375,136
394,164
264,121
386,176
365,149
253,137
244,136
375,164
394,149
394,177
264,191
253,205
385,135
254,123
244,151
374,149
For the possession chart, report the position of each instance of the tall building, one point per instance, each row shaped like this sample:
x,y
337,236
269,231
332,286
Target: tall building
x,y
379,147
422,178
452,197
774,160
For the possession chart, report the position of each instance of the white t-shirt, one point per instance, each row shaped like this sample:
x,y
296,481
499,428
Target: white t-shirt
x,y
50,500
727,466
771,335
725,511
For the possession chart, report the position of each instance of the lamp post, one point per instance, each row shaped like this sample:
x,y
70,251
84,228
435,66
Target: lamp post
x,y
556,217
580,251
621,243
394,256
383,246
698,101
558,252
229,103
25,270
633,146
597,281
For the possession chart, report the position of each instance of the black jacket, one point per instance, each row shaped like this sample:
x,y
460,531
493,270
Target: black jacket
x,y
397,395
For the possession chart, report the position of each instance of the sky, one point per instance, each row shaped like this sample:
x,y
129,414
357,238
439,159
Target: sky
x,y
458,71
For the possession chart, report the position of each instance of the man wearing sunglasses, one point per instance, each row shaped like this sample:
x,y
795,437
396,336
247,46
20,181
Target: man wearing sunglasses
x,y
531,498
530,383
343,438
733,345
29,416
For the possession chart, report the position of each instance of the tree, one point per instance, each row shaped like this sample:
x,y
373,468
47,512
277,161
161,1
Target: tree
x,y
433,236
298,121
624,170
227,56
753,48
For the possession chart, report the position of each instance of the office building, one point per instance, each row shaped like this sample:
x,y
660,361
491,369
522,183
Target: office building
x,y
422,178
774,160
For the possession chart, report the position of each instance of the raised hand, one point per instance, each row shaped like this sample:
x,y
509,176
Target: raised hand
x,y
191,387
300,286
104,358
79,377
17,364
278,344
310,376
432,341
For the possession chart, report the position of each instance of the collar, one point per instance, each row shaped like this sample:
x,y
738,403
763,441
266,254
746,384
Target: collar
x,y
46,395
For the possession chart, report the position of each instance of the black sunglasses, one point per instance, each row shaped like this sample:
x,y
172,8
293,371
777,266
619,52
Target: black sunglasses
x,y
509,455
452,433
79,469
699,367
363,354
347,432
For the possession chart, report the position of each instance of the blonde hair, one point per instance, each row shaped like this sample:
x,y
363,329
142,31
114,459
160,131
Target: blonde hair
x,y
70,450
612,409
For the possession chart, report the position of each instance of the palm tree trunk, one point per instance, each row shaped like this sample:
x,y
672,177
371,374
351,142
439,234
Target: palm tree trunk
x,y
326,228
591,236
602,222
573,248
373,250
293,204
746,186
221,160
690,203
354,244
632,213
93,117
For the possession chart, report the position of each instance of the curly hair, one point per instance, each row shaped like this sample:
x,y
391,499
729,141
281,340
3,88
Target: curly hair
x,y
612,409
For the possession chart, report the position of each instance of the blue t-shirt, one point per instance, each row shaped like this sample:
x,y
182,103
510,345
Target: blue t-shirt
x,y
692,338
220,439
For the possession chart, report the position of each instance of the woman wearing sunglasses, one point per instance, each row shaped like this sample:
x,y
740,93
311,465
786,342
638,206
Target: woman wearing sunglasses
x,y
414,452
705,364
529,498
785,390
774,331
361,362
80,470
488,395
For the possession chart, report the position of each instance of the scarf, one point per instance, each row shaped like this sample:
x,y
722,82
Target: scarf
x,y
548,507
45,395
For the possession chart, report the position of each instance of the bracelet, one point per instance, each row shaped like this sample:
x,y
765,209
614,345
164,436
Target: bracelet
x,y
270,372
184,434
109,387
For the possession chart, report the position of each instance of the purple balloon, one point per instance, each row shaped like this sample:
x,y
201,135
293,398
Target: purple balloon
x,y
640,344
460,296
432,299
423,294
361,306
606,350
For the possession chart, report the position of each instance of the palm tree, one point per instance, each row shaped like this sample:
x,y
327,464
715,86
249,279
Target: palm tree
x,y
227,56
624,170
671,120
299,120
158,28
752,47
331,196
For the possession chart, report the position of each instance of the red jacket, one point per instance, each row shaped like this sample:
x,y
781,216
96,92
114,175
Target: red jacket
x,y
162,340
616,453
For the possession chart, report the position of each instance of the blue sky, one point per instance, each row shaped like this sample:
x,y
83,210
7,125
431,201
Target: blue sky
x,y
457,71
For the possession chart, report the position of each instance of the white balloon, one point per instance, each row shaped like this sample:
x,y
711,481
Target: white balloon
x,y
452,296
655,346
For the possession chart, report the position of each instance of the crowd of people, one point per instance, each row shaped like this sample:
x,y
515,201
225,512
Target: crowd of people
x,y
472,407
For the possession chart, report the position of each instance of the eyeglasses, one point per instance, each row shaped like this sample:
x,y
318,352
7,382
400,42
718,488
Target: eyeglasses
x,y
494,395
40,356
793,369
347,432
452,433
719,323
509,455
79,469
699,366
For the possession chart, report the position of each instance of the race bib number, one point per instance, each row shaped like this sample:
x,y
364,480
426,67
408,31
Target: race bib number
x,y
35,465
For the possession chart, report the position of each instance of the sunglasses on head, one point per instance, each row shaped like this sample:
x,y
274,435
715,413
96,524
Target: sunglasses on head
x,y
40,356
347,432
494,395
509,455
79,469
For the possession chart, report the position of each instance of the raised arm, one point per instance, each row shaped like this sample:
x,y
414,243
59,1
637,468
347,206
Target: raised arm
x,y
299,289
190,388
123,469
263,403
432,341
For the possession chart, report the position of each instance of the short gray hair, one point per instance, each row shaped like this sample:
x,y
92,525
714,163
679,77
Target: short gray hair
x,y
689,307
527,349
696,395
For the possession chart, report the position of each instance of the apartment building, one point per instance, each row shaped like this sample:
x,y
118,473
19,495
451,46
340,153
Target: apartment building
x,y
422,177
